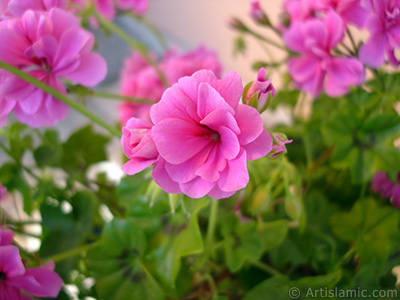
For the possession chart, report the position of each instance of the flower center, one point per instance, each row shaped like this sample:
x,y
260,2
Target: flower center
x,y
3,276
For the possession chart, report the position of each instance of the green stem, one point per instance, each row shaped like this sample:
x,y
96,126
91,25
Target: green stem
x,y
133,44
60,96
352,41
264,267
212,222
102,94
70,253
267,40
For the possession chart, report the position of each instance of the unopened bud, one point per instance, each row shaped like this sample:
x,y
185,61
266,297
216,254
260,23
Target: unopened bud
x,y
258,15
260,92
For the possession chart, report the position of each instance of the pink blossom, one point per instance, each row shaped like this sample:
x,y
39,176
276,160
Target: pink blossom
x,y
204,136
16,280
316,67
16,8
103,7
396,195
140,79
138,146
280,140
351,11
262,89
383,25
139,7
49,46
382,184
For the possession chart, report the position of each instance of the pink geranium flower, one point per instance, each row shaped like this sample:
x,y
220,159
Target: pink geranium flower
x,y
6,237
49,46
16,8
203,137
140,79
16,280
351,11
383,25
139,7
316,67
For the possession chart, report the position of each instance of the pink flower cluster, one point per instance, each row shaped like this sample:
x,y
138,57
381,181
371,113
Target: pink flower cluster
x,y
316,67
16,281
51,46
315,28
200,137
386,188
140,79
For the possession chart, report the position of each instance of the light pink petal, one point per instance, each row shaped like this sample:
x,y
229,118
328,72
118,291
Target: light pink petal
x,y
14,88
217,193
221,117
186,171
136,165
391,56
46,48
294,38
209,100
213,166
106,8
260,147
13,51
229,143
174,104
92,70
178,140
372,53
162,178
334,24
316,36
40,282
197,188
230,87
343,73
302,68
8,292
71,43
10,261
250,123
32,104
6,106
62,20
235,176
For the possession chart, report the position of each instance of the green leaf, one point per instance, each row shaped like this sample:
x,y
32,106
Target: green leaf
x,y
372,228
83,148
117,264
272,234
241,242
49,153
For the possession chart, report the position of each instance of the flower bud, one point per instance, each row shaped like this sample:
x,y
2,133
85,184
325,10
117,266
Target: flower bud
x,y
258,15
238,25
278,148
259,93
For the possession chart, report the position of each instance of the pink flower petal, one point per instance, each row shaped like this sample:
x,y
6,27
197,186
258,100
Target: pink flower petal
x,y
235,176
260,147
178,140
221,117
162,178
229,143
210,100
213,166
10,261
372,53
6,237
197,188
91,71
217,193
136,165
250,123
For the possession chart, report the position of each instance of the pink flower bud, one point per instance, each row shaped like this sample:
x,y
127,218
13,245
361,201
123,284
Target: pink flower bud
x,y
258,15
280,140
260,91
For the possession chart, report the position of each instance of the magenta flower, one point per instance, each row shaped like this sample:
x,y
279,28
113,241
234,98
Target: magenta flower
x,y
49,46
381,184
204,136
396,195
261,89
383,25
16,280
140,79
138,146
316,67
